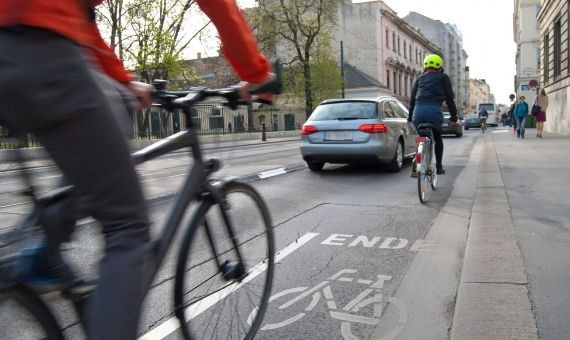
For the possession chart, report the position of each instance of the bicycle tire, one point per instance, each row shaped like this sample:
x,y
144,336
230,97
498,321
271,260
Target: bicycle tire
x,y
422,178
185,310
19,298
433,170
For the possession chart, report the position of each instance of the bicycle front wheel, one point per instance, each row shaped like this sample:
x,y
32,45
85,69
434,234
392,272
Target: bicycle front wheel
x,y
23,315
220,279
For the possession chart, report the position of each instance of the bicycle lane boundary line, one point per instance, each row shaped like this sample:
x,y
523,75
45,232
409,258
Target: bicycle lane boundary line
x,y
172,324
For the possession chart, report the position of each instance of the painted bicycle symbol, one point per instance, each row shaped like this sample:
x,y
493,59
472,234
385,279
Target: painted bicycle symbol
x,y
370,299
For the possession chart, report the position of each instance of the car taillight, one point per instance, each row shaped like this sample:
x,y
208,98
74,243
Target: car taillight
x,y
373,128
308,130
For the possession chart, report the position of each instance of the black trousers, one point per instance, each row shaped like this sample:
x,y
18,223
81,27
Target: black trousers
x,y
48,88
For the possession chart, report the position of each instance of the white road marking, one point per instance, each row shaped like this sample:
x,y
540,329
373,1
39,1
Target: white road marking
x,y
501,131
271,173
170,325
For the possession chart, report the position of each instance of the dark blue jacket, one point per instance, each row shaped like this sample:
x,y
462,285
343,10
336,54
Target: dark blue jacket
x,y
433,88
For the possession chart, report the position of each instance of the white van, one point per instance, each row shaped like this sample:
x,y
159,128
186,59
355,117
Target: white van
x,y
493,112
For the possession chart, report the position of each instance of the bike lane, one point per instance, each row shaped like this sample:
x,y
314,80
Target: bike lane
x,y
385,271
355,250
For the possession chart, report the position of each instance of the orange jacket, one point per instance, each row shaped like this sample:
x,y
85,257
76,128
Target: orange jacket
x,y
70,19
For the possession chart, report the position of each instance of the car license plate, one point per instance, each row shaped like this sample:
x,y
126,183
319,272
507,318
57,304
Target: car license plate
x,y
445,124
338,135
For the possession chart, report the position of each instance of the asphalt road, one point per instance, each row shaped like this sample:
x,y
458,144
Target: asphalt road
x,y
346,235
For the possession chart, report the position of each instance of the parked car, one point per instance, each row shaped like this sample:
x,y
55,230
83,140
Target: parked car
x,y
450,129
358,131
471,121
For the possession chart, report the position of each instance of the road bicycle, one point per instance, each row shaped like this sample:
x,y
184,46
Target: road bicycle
x,y
425,162
214,284
483,124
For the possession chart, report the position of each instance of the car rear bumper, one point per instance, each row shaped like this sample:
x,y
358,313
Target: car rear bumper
x,y
446,130
346,153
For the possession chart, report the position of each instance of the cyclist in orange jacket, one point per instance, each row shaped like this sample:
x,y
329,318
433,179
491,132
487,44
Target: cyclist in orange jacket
x,y
62,83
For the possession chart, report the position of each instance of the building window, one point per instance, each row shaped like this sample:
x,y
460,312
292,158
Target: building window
x,y
394,41
546,58
405,86
387,38
400,83
411,53
538,58
388,79
395,82
557,47
405,50
399,50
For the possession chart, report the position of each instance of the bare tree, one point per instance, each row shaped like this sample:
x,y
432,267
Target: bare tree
x,y
301,25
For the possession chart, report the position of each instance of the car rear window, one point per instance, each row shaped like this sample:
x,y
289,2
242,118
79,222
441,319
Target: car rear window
x,y
345,111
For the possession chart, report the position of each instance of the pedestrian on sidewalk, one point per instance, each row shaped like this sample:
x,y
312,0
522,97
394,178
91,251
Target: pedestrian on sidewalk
x,y
521,112
511,113
542,102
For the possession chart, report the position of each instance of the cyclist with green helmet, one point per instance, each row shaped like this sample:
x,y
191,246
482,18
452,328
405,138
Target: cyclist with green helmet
x,y
430,90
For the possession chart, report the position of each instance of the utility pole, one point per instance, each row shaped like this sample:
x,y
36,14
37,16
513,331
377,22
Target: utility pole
x,y
342,69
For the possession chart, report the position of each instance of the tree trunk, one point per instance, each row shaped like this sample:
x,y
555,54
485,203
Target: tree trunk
x,y
308,88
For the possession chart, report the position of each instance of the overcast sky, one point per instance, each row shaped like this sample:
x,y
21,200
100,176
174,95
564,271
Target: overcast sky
x,y
487,27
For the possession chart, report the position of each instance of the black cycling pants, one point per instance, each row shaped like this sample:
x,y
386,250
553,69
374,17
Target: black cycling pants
x,y
48,88
438,147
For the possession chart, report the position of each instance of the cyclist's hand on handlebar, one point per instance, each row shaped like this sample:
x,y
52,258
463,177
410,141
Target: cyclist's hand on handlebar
x,y
246,88
142,92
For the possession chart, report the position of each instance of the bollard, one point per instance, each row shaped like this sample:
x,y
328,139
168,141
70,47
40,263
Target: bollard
x,y
263,137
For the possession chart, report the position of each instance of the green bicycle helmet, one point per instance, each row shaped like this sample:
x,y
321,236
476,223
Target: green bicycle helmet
x,y
433,61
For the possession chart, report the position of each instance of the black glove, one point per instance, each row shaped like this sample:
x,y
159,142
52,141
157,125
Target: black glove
x,y
409,119
453,119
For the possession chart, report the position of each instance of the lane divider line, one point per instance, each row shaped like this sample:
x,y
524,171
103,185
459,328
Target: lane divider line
x,y
271,173
172,324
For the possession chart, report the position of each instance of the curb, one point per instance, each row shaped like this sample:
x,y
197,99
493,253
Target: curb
x,y
492,300
428,289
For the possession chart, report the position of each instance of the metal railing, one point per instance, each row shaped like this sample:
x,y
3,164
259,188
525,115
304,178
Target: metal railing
x,y
208,118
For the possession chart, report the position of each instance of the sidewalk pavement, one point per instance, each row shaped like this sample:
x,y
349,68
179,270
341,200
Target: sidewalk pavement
x,y
37,158
516,272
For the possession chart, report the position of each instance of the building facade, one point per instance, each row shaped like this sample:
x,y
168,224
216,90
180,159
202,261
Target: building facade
x,y
555,63
480,92
381,45
449,41
525,29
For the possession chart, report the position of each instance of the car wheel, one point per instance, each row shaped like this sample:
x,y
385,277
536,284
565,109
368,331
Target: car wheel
x,y
398,160
315,166
466,128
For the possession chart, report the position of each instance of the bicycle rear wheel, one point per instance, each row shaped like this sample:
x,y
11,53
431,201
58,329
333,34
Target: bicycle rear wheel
x,y
213,299
23,315
423,174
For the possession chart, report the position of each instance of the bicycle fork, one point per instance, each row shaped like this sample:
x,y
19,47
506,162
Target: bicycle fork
x,y
231,270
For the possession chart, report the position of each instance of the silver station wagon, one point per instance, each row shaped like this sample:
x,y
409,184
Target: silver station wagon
x,y
358,131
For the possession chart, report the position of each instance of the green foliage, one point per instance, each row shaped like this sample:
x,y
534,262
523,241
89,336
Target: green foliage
x,y
299,32
150,36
